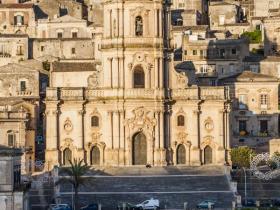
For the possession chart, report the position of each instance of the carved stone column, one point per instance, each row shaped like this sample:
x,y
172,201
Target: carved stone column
x,y
115,73
161,141
227,133
160,72
110,128
52,139
121,72
156,72
196,153
116,129
160,23
110,73
122,139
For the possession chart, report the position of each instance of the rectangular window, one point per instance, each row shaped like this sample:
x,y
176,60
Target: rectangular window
x,y
22,85
194,52
73,51
11,140
222,53
18,20
201,52
263,126
233,51
242,125
42,48
242,100
186,52
74,35
59,35
19,50
264,99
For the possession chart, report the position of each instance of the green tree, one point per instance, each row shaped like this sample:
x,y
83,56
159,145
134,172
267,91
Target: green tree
x,y
272,164
254,37
74,175
241,156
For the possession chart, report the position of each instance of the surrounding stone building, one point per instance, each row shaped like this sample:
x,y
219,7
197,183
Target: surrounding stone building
x,y
223,13
13,48
214,57
17,19
265,8
271,34
20,109
255,112
12,191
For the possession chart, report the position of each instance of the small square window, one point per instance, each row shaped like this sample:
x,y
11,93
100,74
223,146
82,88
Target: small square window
x,y
59,35
74,35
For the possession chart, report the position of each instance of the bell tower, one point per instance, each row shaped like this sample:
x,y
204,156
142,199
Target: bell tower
x,y
132,44
132,58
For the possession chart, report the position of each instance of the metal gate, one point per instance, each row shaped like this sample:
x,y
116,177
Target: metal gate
x,y
139,149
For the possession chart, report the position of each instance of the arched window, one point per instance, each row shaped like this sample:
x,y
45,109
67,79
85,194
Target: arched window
x,y
180,120
138,26
138,78
94,121
67,156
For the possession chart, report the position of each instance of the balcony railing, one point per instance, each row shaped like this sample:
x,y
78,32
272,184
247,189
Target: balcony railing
x,y
246,134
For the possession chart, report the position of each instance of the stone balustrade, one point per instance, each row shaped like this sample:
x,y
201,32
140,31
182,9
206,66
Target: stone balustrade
x,y
213,93
201,93
93,94
24,93
187,93
192,93
52,93
13,115
72,93
131,42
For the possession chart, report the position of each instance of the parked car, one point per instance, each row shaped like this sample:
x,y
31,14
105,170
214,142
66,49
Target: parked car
x,y
92,206
206,204
149,204
60,207
276,202
249,203
128,206
266,203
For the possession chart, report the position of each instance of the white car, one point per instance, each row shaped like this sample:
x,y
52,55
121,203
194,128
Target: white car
x,y
149,204
60,207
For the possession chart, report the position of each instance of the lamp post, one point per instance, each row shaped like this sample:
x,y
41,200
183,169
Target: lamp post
x,y
245,185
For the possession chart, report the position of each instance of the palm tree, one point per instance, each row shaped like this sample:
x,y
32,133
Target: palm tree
x,y
74,175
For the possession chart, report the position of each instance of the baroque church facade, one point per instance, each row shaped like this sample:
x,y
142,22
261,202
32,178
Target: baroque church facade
x,y
132,107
